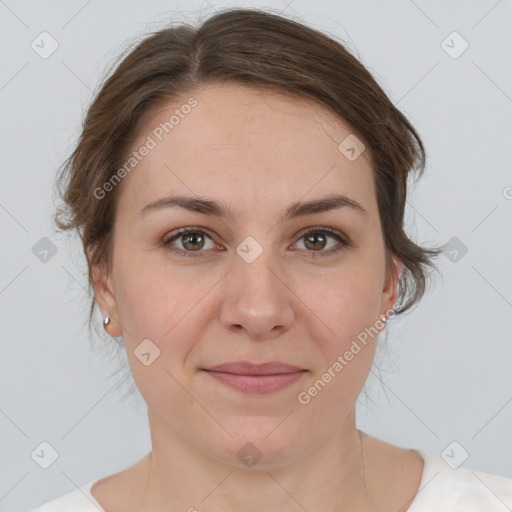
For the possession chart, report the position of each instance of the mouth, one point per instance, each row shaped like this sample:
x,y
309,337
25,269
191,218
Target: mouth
x,y
256,378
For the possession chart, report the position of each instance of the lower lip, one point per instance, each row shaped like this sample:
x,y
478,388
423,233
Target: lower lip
x,y
260,384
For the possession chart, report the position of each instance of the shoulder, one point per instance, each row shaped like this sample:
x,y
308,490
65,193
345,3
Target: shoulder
x,y
79,500
116,488
466,490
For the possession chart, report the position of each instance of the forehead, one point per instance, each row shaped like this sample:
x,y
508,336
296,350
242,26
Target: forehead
x,y
264,145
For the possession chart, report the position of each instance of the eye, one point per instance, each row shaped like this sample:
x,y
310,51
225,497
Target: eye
x,y
193,240
316,239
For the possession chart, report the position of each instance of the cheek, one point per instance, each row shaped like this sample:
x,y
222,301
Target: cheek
x,y
150,308
349,305
346,300
143,296
161,302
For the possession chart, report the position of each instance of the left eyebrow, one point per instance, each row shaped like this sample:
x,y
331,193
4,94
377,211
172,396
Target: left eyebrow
x,y
216,209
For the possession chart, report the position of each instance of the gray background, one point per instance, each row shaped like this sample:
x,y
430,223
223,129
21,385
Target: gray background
x,y
446,368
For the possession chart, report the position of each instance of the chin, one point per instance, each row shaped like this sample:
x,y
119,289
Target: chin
x,y
258,445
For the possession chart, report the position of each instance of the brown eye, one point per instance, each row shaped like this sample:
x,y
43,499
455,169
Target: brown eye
x,y
316,240
191,240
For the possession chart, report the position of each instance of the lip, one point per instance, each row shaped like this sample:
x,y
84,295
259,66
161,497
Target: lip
x,y
256,378
246,368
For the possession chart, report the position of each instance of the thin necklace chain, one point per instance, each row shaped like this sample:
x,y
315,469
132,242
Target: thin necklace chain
x,y
362,471
147,480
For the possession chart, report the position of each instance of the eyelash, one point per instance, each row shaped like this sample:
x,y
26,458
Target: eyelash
x,y
184,231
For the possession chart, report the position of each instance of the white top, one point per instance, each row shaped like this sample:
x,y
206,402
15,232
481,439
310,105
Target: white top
x,y
442,489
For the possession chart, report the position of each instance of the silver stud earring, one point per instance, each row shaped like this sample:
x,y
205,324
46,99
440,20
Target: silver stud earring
x,y
106,321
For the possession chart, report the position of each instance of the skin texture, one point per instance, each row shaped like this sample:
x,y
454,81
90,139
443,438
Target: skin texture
x,y
256,152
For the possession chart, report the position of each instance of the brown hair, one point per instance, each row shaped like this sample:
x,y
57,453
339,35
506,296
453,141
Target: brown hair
x,y
259,49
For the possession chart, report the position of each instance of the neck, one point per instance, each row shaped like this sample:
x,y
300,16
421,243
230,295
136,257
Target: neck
x,y
331,478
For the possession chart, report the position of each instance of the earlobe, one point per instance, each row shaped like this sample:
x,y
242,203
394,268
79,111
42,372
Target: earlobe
x,y
105,299
390,291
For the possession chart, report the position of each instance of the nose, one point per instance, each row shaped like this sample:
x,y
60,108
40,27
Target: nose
x,y
258,299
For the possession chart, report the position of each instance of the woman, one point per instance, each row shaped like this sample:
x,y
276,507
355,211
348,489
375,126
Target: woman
x,y
239,189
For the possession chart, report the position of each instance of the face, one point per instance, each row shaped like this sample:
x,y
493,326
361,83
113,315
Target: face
x,y
259,283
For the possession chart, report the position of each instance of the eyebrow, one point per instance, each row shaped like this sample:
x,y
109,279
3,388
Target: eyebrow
x,y
216,209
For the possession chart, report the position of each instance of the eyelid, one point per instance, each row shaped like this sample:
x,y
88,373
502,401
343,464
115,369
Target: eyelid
x,y
183,231
322,229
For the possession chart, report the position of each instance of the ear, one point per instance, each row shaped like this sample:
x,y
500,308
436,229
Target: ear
x,y
390,290
105,298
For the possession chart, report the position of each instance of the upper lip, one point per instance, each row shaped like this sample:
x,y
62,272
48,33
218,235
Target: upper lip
x,y
245,368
